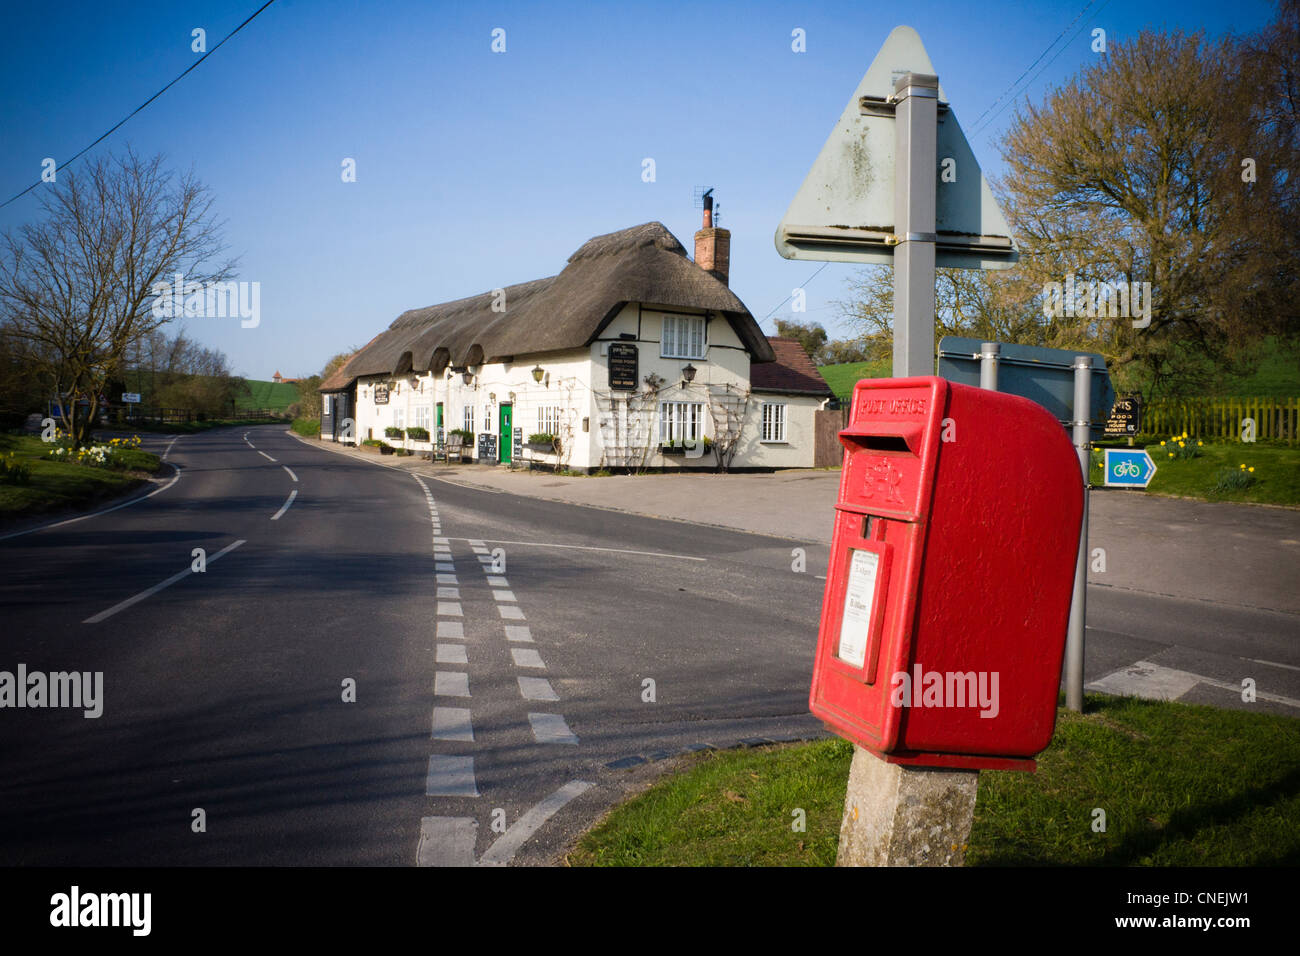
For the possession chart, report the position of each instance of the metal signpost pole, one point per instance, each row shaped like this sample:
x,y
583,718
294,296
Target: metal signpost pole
x,y
989,352
1079,603
916,125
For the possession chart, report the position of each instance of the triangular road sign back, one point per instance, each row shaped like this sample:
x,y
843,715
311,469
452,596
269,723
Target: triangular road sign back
x,y
844,211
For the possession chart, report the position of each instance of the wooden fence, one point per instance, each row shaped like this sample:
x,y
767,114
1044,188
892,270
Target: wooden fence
x,y
1277,418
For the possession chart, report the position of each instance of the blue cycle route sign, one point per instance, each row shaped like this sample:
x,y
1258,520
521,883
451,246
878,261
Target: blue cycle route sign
x,y
1128,469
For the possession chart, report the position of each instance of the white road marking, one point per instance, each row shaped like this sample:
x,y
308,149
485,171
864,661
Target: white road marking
x,y
503,595
104,615
290,471
168,450
450,608
517,633
498,582
441,541
1256,660
551,729
526,657
266,456
579,547
452,723
450,654
485,559
510,612
479,550
536,688
285,507
507,845
444,566
450,776
451,629
446,841
446,578
1156,682
96,514
441,549
450,684
453,593
474,542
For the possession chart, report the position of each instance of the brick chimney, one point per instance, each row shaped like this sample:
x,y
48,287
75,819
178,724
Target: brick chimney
x,y
713,245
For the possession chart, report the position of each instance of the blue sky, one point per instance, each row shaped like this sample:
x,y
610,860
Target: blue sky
x,y
478,169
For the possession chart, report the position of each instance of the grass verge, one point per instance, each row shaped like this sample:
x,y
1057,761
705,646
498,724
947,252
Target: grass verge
x,y
309,427
1276,475
1180,784
55,486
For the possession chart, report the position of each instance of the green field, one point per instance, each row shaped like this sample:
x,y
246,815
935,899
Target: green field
x,y
842,378
274,395
1276,478
1180,785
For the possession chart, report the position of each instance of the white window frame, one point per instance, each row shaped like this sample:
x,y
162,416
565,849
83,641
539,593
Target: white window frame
x,y
468,418
487,418
683,337
325,404
422,417
680,421
775,415
399,416
548,420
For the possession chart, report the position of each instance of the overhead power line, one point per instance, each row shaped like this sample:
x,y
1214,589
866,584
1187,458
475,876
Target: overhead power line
x,y
128,116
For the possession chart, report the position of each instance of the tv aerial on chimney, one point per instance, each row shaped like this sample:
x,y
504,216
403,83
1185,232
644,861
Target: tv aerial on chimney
x,y
703,199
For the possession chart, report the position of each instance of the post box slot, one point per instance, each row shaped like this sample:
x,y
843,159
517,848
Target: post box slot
x,y
884,442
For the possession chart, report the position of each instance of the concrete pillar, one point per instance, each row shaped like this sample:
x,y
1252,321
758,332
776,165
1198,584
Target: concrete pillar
x,y
905,816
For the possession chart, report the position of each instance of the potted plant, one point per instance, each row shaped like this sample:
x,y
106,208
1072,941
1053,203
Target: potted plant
x,y
385,448
417,433
544,442
391,432
372,445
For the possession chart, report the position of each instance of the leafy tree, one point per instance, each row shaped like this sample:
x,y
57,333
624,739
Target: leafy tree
x,y
809,334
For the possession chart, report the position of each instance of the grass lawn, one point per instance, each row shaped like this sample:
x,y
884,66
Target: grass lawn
x,y
58,485
310,427
1277,472
1181,785
842,378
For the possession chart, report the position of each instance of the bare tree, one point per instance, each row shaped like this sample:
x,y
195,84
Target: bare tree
x,y
77,287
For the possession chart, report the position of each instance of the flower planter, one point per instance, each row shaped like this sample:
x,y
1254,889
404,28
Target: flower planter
x,y
544,448
672,450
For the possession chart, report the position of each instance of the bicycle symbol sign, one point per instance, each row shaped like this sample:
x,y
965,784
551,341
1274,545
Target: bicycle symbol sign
x,y
1130,469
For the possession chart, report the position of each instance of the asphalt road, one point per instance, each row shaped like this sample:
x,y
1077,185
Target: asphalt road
x,y
487,697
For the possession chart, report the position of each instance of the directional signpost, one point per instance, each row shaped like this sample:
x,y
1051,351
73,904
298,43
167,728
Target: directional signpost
x,y
1128,469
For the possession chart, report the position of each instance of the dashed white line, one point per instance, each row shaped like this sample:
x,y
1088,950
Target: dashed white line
x,y
526,657
453,593
510,612
451,629
444,566
285,507
503,595
536,688
149,592
517,633
452,723
498,582
443,578
450,609
1256,660
266,456
450,654
168,450
290,471
580,547
551,729
450,776
450,684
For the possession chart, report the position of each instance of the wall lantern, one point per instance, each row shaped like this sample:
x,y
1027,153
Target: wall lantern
x,y
537,374
512,398
688,373
469,377
492,398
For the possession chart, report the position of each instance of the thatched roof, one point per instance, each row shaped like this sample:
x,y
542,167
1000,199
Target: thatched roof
x,y
643,264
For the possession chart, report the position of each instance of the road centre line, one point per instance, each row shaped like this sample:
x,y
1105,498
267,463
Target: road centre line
x,y
104,615
96,514
168,450
285,507
580,547
507,845
290,471
266,456
1256,660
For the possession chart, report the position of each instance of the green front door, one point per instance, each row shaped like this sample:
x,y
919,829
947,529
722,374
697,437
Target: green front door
x,y
506,434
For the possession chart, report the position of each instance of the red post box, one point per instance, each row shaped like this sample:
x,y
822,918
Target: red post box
x,y
952,566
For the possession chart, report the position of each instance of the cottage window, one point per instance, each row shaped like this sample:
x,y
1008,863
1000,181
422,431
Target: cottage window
x,y
487,419
683,337
773,422
422,419
681,421
469,418
399,417
548,419
325,404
